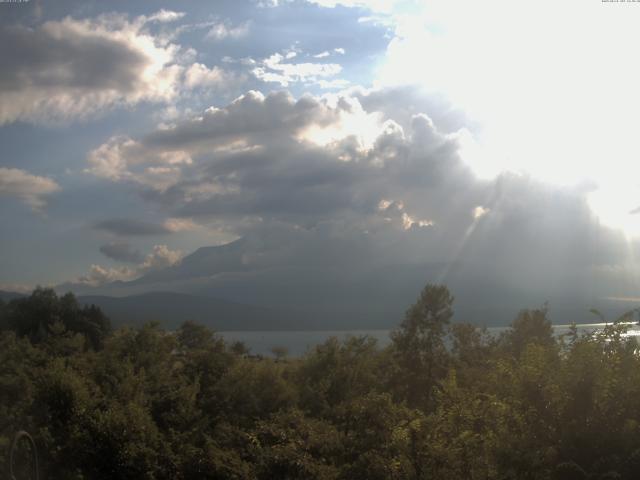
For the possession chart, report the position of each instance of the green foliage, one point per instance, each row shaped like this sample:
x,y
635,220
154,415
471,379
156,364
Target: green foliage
x,y
419,345
441,402
44,314
531,326
251,389
336,372
239,348
293,446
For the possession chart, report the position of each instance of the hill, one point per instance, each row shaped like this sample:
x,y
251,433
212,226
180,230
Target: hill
x,y
171,309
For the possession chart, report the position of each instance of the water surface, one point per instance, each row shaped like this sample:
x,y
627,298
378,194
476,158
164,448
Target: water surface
x,y
298,342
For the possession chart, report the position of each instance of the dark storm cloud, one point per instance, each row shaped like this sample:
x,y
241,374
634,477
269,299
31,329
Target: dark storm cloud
x,y
401,103
129,226
47,58
407,198
273,117
122,252
249,124
70,68
252,158
283,182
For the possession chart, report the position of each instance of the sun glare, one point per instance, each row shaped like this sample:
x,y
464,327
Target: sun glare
x,y
554,93
618,208
364,127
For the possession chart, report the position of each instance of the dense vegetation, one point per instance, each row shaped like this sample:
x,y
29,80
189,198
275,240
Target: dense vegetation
x,y
443,401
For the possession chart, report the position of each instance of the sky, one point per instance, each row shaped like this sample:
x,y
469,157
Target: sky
x,y
496,139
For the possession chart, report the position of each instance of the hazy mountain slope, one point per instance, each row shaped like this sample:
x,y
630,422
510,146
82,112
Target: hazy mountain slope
x,y
244,285
204,262
8,296
171,309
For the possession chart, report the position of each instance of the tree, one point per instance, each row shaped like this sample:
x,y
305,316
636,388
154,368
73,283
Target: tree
x,y
31,316
250,390
293,446
240,348
530,326
3,316
35,317
338,371
162,405
193,336
419,344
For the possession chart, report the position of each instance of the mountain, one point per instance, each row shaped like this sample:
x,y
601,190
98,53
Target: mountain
x,y
171,309
204,262
8,296
253,284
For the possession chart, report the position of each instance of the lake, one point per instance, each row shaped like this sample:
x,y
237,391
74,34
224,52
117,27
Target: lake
x,y
298,342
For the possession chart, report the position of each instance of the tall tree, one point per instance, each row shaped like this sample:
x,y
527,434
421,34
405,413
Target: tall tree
x,y
419,344
36,315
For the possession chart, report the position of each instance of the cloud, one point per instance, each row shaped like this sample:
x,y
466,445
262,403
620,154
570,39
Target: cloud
x,y
225,30
326,53
335,84
134,227
275,158
123,159
180,225
121,252
275,69
267,3
131,227
574,147
376,6
99,275
31,189
479,211
160,257
335,180
166,16
72,68
16,287
62,70
199,75
381,6
158,161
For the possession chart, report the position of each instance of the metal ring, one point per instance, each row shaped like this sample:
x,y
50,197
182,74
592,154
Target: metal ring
x,y
34,453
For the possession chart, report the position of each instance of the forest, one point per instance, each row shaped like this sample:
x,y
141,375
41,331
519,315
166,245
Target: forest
x,y
444,400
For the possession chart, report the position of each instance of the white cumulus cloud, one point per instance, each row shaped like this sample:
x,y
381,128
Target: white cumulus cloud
x,y
64,70
160,257
276,69
31,189
225,30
